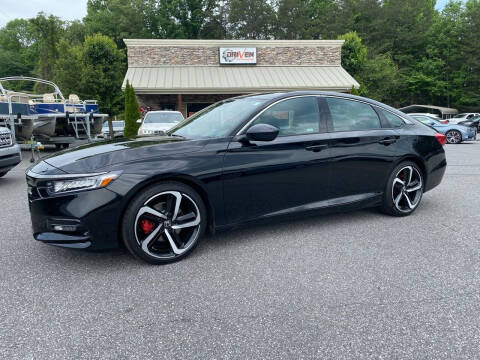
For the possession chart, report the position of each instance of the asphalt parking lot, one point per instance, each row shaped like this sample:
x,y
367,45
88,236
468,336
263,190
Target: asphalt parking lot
x,y
356,285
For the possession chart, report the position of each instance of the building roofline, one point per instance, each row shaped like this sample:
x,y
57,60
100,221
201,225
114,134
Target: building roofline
x,y
227,43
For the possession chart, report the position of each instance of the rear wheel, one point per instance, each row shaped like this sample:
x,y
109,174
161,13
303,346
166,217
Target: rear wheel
x,y
454,137
404,190
164,223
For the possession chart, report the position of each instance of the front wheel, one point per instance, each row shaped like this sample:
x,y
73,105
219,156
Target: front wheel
x,y
164,223
404,190
454,137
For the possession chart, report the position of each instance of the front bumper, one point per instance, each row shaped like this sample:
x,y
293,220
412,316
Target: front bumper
x,y
82,220
10,157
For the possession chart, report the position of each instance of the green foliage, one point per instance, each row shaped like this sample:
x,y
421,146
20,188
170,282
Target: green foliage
x,y
380,79
132,112
400,51
251,19
93,70
292,19
354,53
47,32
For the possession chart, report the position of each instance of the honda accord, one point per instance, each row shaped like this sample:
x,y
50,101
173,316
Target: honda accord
x,y
239,160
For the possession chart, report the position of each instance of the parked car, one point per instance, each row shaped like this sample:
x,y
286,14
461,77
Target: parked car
x,y
159,122
472,122
434,116
462,117
118,128
242,159
10,153
455,133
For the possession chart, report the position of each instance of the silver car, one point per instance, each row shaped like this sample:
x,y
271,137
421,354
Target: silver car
x,y
159,122
10,154
462,117
118,128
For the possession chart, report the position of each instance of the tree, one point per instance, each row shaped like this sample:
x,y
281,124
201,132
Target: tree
x,y
47,32
251,19
93,70
354,53
132,112
18,53
68,68
119,19
468,81
292,20
103,72
380,80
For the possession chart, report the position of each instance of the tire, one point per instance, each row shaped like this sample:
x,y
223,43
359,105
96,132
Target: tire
x,y
403,192
164,223
454,137
3,173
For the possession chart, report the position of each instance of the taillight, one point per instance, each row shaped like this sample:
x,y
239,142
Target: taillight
x,y
444,121
442,139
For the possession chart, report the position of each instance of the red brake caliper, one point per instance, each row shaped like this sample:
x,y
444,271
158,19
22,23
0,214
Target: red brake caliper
x,y
147,226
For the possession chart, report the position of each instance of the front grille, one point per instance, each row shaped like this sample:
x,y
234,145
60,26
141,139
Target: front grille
x,y
5,139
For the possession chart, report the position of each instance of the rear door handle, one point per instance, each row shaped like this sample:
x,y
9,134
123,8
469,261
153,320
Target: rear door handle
x,y
388,141
316,148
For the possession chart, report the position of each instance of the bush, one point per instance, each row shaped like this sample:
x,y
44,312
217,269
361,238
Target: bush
x,y
132,112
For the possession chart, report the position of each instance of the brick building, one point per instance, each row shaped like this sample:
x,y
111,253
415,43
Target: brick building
x,y
191,74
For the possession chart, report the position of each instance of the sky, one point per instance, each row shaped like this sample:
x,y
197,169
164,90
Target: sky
x,y
65,9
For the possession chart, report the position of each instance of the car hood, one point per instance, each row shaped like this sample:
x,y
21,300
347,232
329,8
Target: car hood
x,y
98,156
158,126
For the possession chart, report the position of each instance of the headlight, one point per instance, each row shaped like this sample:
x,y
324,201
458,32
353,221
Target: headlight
x,y
145,132
83,182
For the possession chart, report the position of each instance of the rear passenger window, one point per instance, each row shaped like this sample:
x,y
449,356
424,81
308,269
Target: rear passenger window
x,y
393,120
348,115
293,116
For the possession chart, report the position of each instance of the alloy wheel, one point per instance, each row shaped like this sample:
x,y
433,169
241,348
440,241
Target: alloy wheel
x,y
407,189
167,225
454,137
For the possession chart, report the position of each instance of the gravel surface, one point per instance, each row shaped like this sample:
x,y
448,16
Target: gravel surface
x,y
357,285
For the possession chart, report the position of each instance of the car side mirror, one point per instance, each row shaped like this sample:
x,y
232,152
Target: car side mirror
x,y
139,121
432,123
262,132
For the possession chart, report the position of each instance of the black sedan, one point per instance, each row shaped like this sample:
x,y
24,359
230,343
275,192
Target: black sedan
x,y
243,159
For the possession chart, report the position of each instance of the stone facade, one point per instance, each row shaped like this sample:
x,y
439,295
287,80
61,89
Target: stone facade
x,y
144,55
154,53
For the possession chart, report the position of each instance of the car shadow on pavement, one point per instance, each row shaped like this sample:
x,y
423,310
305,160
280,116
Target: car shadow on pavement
x,y
258,230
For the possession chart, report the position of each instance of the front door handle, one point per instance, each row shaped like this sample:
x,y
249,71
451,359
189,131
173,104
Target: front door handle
x,y
316,148
388,141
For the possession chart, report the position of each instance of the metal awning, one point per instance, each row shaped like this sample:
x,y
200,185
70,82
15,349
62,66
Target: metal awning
x,y
237,79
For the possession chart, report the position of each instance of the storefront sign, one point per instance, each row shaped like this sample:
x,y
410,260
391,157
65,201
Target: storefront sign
x,y
236,56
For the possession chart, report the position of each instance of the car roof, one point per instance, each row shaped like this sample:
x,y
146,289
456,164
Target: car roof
x,y
425,114
273,97
163,111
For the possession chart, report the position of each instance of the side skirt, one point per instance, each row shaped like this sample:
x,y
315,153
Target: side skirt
x,y
342,204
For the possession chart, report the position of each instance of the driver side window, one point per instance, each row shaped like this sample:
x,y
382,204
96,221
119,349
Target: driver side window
x,y
293,116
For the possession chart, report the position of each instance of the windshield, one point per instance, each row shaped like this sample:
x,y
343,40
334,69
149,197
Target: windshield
x,y
218,120
162,118
114,124
460,116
